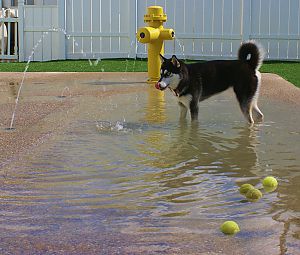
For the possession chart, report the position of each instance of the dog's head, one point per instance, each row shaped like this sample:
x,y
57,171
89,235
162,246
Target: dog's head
x,y
169,73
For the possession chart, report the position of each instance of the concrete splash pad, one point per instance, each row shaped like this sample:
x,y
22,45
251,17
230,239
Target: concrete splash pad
x,y
94,225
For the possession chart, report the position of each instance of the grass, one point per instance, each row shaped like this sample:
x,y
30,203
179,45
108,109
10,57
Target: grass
x,y
107,65
288,70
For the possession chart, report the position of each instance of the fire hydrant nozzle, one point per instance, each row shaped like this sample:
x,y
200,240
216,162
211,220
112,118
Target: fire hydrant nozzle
x,y
154,35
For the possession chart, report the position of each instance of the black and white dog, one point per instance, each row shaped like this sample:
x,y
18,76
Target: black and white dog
x,y
193,83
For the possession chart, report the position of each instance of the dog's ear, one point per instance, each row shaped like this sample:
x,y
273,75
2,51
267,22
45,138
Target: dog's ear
x,y
162,58
175,61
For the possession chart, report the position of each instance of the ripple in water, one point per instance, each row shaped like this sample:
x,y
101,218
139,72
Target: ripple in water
x,y
117,127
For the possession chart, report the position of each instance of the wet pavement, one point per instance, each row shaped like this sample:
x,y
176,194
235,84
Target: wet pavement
x,y
97,163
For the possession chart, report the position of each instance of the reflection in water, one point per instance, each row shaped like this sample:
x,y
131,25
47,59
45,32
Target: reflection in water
x,y
193,165
8,91
204,147
13,87
156,106
161,169
288,212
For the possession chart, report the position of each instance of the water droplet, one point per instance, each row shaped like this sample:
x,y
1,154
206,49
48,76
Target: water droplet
x,y
118,127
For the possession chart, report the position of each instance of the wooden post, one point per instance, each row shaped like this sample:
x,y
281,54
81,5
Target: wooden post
x,y
21,30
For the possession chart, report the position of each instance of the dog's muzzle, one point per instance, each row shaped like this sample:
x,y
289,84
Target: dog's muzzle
x,y
157,85
161,85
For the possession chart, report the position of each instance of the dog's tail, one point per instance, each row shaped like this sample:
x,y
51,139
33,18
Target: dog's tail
x,y
255,51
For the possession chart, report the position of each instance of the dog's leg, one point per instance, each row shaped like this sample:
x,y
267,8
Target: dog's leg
x,y
184,102
194,110
246,106
257,114
183,111
247,111
246,93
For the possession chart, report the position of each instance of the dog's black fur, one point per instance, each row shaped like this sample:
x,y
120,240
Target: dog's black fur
x,y
193,83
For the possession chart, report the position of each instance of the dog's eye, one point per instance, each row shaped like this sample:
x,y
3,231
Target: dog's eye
x,y
168,74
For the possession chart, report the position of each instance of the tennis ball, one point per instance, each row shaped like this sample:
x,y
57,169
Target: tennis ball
x,y
270,182
230,227
254,194
245,188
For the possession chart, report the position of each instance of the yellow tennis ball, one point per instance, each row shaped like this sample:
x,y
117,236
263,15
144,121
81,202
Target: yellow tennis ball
x,y
254,194
270,181
230,227
245,188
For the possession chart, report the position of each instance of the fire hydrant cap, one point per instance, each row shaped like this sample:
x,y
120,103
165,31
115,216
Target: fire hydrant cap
x,y
155,13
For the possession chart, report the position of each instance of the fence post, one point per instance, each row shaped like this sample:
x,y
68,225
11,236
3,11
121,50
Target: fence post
x,y
61,29
132,28
246,20
21,29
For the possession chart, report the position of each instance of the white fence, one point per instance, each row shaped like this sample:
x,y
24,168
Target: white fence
x,y
276,24
100,29
205,29
215,28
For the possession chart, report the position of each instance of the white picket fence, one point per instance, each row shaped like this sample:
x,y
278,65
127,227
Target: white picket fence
x,y
205,29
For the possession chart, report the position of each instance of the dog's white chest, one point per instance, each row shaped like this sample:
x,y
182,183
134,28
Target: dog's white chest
x,y
185,100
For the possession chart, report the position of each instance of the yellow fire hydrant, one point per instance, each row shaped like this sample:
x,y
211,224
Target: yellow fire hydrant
x,y
154,35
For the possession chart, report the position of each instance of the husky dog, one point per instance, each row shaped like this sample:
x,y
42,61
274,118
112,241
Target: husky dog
x,y
193,83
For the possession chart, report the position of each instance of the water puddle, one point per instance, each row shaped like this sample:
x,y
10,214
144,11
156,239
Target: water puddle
x,y
127,166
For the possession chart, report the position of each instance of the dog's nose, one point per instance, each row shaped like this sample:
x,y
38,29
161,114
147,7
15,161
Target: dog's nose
x,y
157,85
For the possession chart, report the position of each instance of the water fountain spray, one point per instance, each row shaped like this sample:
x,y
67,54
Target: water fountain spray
x,y
30,58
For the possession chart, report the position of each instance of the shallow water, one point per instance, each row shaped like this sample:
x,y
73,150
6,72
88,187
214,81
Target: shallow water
x,y
126,166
